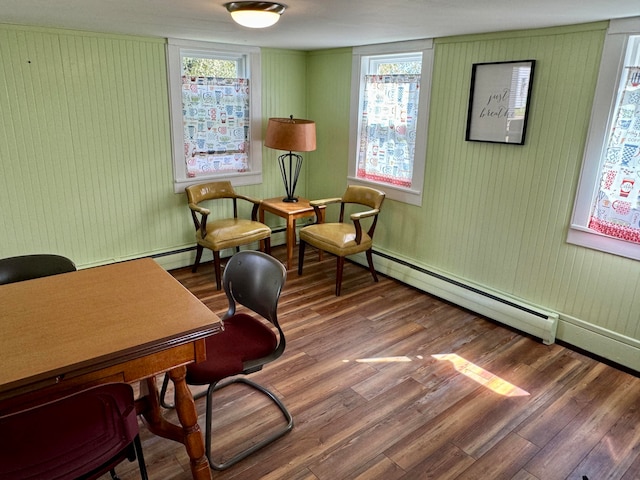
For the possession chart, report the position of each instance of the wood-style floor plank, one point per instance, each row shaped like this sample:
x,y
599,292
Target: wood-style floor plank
x,y
387,382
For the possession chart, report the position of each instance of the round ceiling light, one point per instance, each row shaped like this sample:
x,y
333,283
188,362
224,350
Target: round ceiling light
x,y
255,14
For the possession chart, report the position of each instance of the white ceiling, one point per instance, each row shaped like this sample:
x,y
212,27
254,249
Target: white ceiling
x,y
312,24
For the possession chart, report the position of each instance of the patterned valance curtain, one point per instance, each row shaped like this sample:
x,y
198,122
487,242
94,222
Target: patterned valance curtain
x,y
389,119
616,211
216,124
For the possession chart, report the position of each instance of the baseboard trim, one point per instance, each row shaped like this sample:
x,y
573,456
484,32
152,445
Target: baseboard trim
x,y
531,319
612,346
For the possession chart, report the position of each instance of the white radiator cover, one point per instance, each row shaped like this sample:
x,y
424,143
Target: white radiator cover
x,y
519,315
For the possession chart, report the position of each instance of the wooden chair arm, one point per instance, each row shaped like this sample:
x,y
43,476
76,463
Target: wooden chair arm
x,y
360,215
201,224
318,213
324,201
317,204
256,205
356,223
255,201
356,217
201,210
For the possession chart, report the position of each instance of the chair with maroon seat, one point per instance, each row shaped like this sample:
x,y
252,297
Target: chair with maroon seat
x,y
83,435
246,343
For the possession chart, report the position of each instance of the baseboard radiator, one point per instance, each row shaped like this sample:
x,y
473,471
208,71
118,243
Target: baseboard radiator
x,y
526,318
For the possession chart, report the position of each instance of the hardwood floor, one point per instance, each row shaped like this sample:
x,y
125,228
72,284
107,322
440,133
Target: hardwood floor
x,y
386,382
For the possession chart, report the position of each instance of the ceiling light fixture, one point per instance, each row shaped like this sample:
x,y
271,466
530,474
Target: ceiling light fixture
x,y
255,14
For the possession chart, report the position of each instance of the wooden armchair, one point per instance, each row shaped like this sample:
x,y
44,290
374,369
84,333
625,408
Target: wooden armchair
x,y
219,234
344,238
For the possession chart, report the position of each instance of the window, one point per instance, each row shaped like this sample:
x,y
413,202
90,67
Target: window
x,y
606,214
215,113
390,90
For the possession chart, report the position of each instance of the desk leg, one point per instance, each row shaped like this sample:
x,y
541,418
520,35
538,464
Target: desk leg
x,y
188,433
188,416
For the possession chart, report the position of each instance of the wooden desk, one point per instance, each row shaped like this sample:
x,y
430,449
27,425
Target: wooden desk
x,y
118,323
290,211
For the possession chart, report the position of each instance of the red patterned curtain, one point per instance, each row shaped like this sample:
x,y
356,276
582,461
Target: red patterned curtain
x,y
616,211
389,118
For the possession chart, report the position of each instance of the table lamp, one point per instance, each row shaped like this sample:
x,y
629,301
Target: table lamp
x,y
293,135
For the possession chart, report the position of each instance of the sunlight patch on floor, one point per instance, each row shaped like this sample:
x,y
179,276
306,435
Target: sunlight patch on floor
x,y
482,376
383,359
465,367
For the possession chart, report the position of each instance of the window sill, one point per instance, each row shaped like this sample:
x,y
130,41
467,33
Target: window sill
x,y
584,237
405,195
237,180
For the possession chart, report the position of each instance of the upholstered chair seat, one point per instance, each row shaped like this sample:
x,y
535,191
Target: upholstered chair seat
x,y
229,232
82,435
243,340
336,238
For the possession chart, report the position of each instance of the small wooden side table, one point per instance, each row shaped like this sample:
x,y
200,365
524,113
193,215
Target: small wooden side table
x,y
290,211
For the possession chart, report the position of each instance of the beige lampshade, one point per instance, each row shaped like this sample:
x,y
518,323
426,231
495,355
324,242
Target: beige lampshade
x,y
291,134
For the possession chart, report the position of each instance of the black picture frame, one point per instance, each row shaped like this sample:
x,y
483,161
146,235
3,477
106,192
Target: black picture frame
x,y
499,100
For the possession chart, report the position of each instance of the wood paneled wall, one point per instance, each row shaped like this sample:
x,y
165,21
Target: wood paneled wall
x,y
85,144
85,147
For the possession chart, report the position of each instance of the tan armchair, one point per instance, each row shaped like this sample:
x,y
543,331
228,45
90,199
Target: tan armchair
x,y
219,234
344,238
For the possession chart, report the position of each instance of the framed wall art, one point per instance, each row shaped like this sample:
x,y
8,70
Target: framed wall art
x,y
499,101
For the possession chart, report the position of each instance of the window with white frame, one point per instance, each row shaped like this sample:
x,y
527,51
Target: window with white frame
x,y
214,91
606,214
390,89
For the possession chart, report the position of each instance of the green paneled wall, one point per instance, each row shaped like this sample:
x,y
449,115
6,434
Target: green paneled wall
x,y
329,77
518,200
497,215
284,93
85,144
